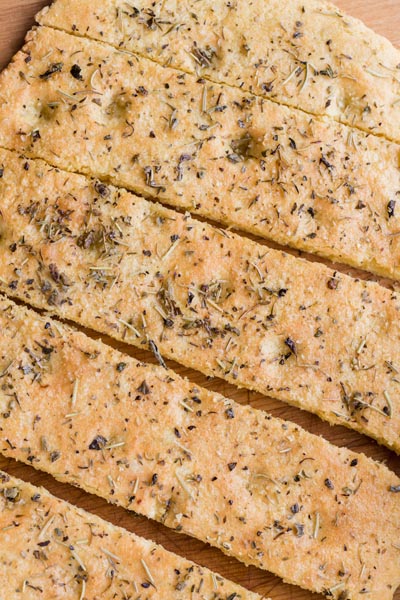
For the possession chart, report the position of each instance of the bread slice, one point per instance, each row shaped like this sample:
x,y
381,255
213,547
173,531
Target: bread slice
x,y
209,299
51,549
249,163
261,489
304,53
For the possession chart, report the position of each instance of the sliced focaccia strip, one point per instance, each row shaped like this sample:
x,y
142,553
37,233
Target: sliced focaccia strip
x,y
305,53
51,549
213,301
259,488
247,162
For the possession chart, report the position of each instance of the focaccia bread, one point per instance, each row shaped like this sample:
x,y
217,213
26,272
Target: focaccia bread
x,y
51,550
303,53
261,489
247,162
213,301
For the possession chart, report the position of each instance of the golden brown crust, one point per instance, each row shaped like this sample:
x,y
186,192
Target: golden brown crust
x,y
310,183
260,489
305,53
209,299
51,550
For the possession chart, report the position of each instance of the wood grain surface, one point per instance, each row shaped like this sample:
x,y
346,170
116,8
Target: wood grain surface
x,y
16,16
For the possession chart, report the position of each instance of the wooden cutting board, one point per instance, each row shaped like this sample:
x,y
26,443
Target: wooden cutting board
x,y
16,16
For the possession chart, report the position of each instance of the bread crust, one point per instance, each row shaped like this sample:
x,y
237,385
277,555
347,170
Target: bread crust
x,y
308,55
249,163
52,548
211,300
261,489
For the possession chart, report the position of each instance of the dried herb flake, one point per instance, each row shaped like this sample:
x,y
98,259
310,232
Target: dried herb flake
x,y
98,443
54,68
